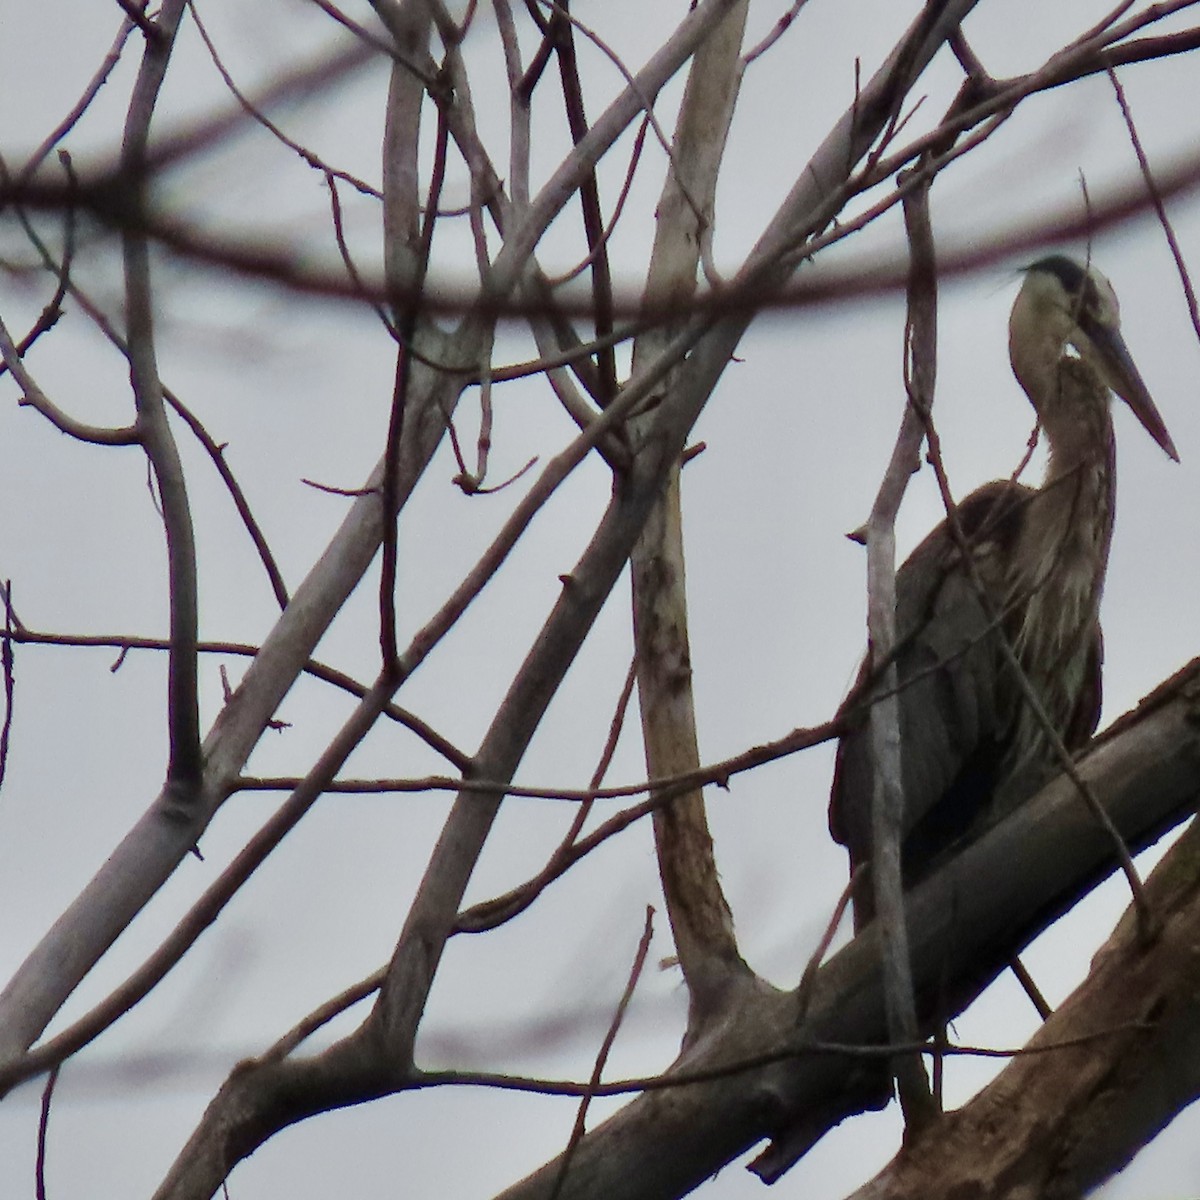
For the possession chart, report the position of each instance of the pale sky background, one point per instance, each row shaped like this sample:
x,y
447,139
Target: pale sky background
x,y
797,433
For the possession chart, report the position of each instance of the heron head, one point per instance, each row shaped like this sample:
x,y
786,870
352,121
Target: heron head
x,y
1062,304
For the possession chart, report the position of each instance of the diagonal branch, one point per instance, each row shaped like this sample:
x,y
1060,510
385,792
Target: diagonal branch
x,y
968,919
1062,1128
261,1098
700,916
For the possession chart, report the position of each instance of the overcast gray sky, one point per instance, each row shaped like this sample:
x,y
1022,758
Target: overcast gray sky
x,y
797,435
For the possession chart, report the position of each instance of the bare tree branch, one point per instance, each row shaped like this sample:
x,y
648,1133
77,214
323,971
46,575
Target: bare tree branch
x,y
887,803
154,434
700,917
462,302
1189,292
1064,1131
577,1130
970,916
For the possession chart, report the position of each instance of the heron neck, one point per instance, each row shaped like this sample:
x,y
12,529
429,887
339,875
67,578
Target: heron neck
x,y
1058,568
1076,416
1055,574
1066,537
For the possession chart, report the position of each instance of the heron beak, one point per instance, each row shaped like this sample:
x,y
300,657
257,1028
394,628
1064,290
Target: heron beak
x,y
1125,379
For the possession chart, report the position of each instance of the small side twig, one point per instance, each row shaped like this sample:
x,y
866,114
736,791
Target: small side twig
x,y
491,913
37,399
90,92
1039,1001
780,27
256,114
8,665
323,1014
804,989
799,1049
1157,200
216,453
604,337
577,1131
589,198
21,635
43,1128
339,235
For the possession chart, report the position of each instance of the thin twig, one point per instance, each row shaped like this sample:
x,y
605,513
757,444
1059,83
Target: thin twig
x,y
798,1050
493,488
322,1015
805,988
7,662
565,357
216,455
1107,21
52,310
578,1129
615,726
490,913
1159,207
780,27
43,1130
589,197
604,338
318,670
251,110
716,774
339,234
364,35
35,398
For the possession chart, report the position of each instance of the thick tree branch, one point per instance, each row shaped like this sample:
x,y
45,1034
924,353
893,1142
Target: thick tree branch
x,y
967,921
260,1099
1058,1128
156,844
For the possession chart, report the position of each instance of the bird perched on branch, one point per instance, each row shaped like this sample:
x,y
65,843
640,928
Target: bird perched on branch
x,y
1012,562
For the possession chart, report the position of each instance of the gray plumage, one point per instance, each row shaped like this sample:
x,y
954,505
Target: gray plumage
x,y
971,747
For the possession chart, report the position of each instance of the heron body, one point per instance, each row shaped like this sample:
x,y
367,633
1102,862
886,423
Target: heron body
x,y
972,747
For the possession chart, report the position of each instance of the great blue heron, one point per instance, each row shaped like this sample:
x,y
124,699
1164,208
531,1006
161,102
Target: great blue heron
x,y
972,748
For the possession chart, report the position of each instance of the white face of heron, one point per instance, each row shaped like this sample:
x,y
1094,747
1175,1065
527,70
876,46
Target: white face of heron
x,y
1070,305
1062,308
1061,305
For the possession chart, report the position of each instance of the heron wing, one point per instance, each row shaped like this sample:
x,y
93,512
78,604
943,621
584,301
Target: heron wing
x,y
952,703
